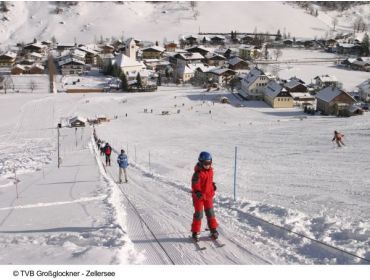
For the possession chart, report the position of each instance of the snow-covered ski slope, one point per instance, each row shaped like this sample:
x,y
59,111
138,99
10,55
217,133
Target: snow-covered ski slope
x,y
89,21
288,173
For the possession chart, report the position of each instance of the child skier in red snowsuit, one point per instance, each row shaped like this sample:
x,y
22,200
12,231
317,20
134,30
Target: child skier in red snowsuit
x,y
203,191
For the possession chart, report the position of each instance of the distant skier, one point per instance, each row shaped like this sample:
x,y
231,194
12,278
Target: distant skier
x,y
338,138
107,152
203,191
122,161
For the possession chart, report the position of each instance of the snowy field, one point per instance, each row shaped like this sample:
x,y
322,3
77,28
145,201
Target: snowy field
x,y
289,173
308,71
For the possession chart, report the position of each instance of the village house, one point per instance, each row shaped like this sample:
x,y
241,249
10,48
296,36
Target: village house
x,y
325,81
252,85
248,40
218,40
334,101
215,59
107,48
249,52
70,65
36,69
154,52
236,63
7,59
277,96
34,47
170,47
201,74
77,121
61,47
103,60
190,40
187,58
91,56
299,91
18,69
221,76
348,48
198,49
364,90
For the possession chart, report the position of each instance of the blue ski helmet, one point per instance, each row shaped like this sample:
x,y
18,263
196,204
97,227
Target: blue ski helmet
x,y
203,156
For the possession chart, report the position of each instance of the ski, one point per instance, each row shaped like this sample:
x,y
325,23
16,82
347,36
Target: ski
x,y
217,242
197,245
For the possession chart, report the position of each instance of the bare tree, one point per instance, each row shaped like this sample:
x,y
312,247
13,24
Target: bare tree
x,y
277,53
7,83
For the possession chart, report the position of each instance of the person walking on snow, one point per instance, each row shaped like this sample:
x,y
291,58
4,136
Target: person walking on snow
x,y
107,152
122,161
338,138
203,191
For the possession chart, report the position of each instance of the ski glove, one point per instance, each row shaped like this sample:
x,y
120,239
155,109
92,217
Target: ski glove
x,y
198,194
214,186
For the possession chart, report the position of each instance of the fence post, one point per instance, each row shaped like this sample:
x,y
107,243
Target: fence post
x,y
16,182
236,153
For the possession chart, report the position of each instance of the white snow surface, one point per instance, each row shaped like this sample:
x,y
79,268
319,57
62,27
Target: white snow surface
x,y
288,173
88,21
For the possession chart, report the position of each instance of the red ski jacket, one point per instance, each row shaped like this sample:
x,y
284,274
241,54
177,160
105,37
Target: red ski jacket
x,y
202,181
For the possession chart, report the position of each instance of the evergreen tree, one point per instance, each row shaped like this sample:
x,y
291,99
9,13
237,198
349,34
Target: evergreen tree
x,y
278,35
365,44
139,81
159,80
156,43
123,78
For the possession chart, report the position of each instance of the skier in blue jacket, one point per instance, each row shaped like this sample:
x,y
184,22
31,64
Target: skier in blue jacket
x,y
122,161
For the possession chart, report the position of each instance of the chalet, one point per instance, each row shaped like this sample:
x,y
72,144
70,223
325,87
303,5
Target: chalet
x,y
91,56
221,75
154,52
34,47
198,49
218,40
215,59
185,72
288,43
248,52
128,64
7,59
36,69
77,122
191,40
170,47
205,40
361,65
346,48
325,81
277,96
201,75
71,66
107,48
252,85
65,46
230,52
334,101
364,90
18,69
248,40
236,63
187,58
299,91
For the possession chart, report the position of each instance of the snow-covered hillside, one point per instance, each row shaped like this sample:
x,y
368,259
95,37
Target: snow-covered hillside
x,y
289,173
88,21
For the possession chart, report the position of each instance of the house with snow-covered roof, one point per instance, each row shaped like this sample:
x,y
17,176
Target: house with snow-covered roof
x,y
198,49
277,96
236,63
326,80
70,65
333,100
7,59
153,52
215,59
253,83
222,76
364,90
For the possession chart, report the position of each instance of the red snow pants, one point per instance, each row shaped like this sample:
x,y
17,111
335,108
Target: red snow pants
x,y
199,205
